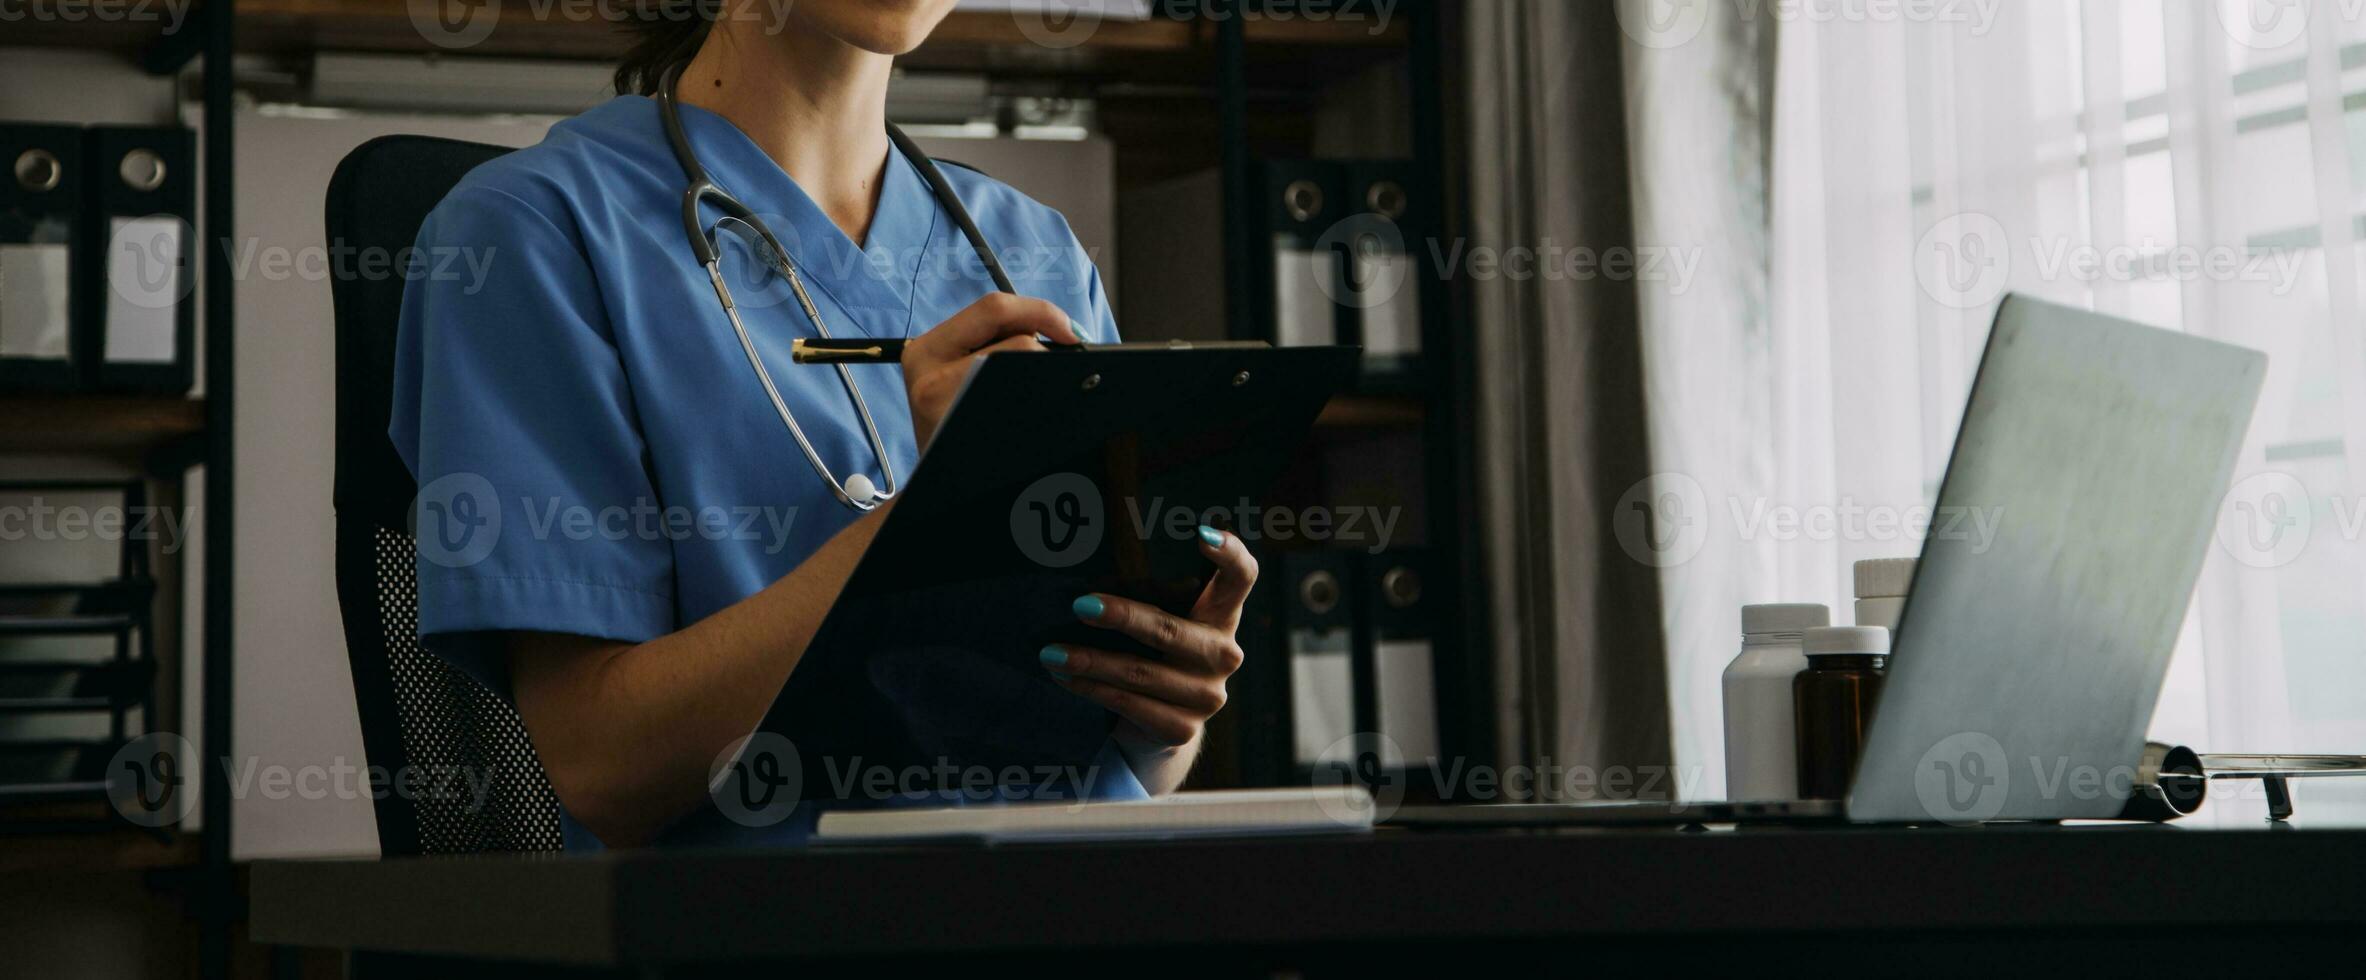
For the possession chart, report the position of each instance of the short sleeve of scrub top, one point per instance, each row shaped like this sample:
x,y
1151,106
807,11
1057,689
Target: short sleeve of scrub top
x,y
595,455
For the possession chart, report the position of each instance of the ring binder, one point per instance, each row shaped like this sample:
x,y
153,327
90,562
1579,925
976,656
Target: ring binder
x,y
141,202
41,315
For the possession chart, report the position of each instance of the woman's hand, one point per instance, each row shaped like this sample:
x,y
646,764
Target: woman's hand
x,y
937,362
1164,703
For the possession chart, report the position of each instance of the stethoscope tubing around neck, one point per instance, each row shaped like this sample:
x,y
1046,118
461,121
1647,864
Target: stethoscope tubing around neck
x,y
856,491
703,189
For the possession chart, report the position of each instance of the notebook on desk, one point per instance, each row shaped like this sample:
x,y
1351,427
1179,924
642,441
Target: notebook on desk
x,y
1224,813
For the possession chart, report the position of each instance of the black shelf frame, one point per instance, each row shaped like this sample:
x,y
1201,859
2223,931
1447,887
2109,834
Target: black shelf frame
x,y
1443,377
207,38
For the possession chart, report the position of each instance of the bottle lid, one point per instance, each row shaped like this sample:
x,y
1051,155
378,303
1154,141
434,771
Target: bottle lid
x,y
1845,640
1784,617
1881,578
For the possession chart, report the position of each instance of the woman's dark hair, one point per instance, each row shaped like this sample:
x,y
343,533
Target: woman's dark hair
x,y
666,35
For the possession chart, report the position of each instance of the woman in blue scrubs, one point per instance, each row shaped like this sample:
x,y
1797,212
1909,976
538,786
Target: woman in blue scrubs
x,y
629,544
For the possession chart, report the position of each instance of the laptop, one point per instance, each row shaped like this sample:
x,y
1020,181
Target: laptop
x,y
2026,667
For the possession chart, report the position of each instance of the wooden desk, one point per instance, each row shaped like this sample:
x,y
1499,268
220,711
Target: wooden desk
x,y
1991,901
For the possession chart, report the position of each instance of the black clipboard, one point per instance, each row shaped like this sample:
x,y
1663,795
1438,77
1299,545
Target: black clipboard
x,y
1055,474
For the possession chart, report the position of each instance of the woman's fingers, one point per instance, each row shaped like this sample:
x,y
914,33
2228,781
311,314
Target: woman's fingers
x,y
991,319
1202,694
1220,603
1165,723
1187,645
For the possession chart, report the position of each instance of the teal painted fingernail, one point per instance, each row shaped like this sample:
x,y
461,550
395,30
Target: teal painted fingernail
x,y
1053,656
1087,607
1076,329
1062,678
1214,538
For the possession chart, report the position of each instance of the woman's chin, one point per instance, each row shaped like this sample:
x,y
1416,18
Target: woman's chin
x,y
889,27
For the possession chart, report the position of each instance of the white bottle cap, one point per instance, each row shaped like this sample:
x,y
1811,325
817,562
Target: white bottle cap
x,y
1784,617
1882,578
1843,640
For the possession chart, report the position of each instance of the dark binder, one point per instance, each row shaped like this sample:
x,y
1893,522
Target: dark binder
x,y
140,230
1381,244
1318,595
41,201
1055,475
1300,209
1397,603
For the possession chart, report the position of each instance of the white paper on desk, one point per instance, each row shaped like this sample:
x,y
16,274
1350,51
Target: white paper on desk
x,y
1221,813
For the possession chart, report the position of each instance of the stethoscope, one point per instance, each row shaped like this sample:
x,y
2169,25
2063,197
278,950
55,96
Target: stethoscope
x,y
857,490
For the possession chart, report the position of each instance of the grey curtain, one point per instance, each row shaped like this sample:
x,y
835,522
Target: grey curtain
x,y
1579,663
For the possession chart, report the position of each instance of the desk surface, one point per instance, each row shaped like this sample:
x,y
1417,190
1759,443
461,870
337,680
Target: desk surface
x,y
701,906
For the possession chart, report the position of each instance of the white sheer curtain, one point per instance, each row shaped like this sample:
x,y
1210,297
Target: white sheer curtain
x,y
2187,163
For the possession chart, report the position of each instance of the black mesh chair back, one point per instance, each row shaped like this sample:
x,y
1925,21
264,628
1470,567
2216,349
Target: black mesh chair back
x,y
418,713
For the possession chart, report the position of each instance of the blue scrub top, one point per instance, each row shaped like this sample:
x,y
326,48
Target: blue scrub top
x,y
594,453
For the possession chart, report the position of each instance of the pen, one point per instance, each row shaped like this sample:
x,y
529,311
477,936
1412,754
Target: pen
x,y
867,350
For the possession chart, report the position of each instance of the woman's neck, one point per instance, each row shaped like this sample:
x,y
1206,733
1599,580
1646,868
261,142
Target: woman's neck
x,y
816,105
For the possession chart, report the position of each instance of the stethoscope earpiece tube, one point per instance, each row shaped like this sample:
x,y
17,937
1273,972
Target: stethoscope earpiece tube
x,y
952,202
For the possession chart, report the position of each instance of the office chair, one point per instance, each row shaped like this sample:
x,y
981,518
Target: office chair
x,y
417,711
